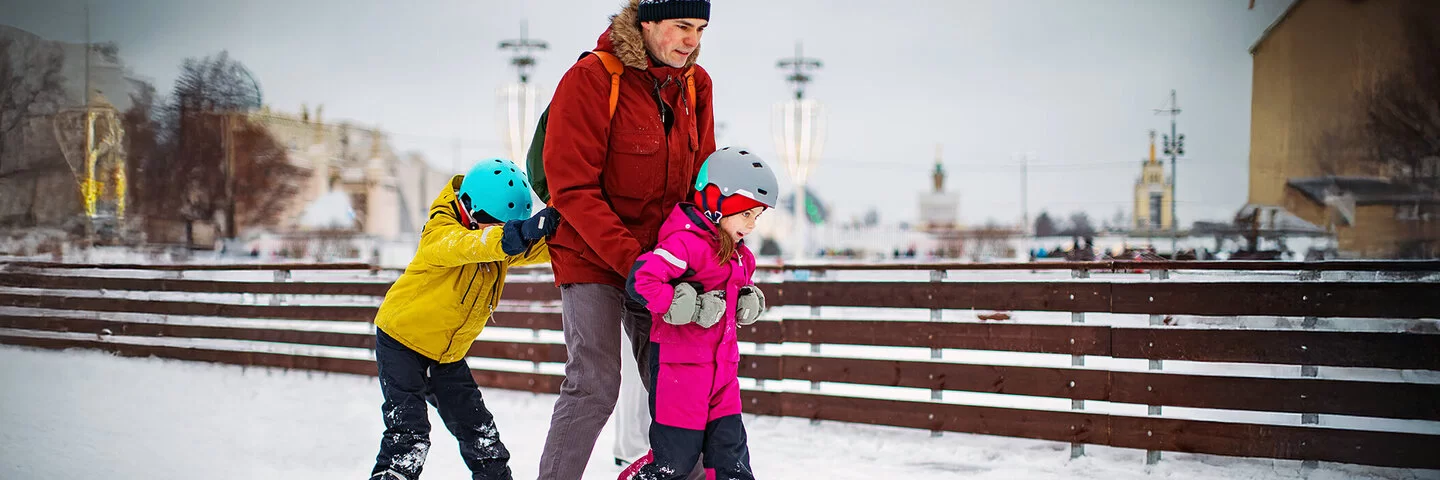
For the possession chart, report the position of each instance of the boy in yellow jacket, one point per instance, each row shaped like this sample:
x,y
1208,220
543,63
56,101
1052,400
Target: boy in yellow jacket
x,y
479,226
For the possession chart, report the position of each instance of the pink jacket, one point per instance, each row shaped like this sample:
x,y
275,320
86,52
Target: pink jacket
x,y
686,253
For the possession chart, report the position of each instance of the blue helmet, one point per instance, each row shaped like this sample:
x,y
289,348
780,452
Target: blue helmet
x,y
498,189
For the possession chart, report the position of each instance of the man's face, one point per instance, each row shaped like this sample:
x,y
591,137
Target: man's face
x,y
672,41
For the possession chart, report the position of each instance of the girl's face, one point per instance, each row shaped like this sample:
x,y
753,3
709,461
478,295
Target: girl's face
x,y
740,224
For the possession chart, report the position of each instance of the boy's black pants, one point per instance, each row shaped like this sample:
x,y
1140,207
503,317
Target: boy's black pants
x,y
408,381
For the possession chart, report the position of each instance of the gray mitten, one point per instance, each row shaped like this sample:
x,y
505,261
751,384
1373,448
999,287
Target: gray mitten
x,y
683,307
712,308
749,305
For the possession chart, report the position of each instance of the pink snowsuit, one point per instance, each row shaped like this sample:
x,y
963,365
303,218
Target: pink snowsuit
x,y
694,391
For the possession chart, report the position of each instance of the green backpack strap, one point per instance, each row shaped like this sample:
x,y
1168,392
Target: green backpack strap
x,y
535,157
534,161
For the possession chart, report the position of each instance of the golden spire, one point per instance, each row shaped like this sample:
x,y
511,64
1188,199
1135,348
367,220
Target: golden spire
x,y
1152,147
938,176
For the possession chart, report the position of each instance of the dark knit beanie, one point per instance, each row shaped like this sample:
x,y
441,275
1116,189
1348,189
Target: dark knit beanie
x,y
657,10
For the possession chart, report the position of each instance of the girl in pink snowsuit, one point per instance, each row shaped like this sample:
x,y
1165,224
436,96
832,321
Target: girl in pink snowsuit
x,y
697,284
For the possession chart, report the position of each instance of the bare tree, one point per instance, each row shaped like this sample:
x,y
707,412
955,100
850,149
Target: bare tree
x,y
211,96
1045,226
265,181
188,184
142,149
216,84
1080,225
1342,151
1402,112
30,84
1121,221
992,241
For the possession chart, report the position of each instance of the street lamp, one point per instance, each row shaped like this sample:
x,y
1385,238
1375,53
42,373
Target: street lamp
x,y
799,136
517,101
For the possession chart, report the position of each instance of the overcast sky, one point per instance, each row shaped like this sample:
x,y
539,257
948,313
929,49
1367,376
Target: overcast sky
x,y
1072,82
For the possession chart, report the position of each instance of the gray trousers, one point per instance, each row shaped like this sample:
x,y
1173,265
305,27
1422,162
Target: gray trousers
x,y
589,312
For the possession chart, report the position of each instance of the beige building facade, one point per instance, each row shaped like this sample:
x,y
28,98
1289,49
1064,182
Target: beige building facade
x,y
1312,68
389,191
1154,194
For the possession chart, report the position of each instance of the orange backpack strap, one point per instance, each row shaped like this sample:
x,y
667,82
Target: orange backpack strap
x,y
690,85
613,65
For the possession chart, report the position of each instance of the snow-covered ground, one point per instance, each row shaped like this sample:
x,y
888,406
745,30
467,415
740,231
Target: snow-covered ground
x,y
86,414
151,418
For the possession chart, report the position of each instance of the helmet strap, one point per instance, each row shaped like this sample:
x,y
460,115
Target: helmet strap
x,y
713,215
466,219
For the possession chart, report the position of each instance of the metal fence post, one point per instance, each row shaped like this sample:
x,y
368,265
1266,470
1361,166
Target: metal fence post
x,y
535,336
1153,456
1077,450
1309,371
281,276
534,277
936,315
814,347
759,348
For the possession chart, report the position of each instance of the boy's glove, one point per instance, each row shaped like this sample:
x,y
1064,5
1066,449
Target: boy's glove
x,y
521,234
749,305
688,306
540,225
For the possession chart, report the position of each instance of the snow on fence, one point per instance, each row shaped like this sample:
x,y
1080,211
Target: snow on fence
x,y
126,309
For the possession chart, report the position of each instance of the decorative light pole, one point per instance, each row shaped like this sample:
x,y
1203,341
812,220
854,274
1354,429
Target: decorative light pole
x,y
517,101
799,135
1174,147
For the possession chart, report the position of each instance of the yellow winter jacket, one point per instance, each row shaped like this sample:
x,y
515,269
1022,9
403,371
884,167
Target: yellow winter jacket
x,y
442,301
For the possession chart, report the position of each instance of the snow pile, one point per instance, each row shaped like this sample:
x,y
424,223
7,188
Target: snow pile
x,y
332,211
40,243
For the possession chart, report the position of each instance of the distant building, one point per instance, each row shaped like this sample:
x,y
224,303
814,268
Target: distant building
x,y
42,171
1154,194
389,192
1310,68
939,210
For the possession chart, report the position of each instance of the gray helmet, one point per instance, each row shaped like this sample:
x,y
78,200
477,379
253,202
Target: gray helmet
x,y
737,171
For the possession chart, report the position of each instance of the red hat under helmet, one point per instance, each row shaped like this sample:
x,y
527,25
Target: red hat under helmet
x,y
712,202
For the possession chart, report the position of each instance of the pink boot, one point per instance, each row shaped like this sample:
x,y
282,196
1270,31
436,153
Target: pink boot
x,y
629,472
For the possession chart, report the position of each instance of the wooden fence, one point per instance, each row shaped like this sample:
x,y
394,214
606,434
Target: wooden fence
x,y
45,305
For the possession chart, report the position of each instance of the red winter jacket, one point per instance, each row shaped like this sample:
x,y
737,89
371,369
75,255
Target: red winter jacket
x,y
614,180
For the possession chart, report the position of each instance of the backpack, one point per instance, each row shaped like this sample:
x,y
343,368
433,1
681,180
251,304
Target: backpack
x,y
534,158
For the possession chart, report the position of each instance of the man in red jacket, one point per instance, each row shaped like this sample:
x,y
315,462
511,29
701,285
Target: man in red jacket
x,y
614,178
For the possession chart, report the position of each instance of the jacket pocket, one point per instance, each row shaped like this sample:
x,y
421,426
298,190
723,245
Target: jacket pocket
x,y
634,171
570,239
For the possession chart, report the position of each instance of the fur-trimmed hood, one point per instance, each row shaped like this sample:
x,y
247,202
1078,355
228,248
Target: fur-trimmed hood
x,y
625,40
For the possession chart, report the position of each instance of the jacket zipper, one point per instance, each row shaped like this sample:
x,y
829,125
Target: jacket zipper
x,y
659,97
472,282
469,311
451,342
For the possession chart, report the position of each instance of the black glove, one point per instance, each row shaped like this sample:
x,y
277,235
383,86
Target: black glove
x,y
540,225
521,234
